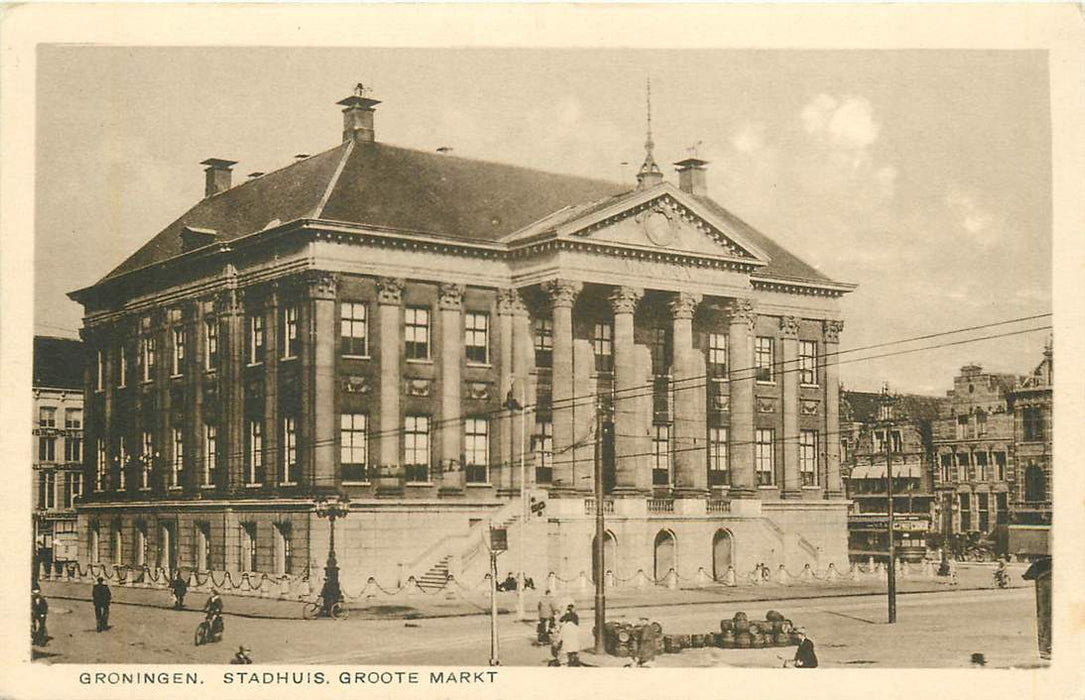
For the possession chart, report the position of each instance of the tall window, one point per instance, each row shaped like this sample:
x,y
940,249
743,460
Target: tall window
x,y
73,449
602,343
947,468
543,332
719,465
763,359
210,344
476,450
122,366
542,445
416,447
47,417
248,547
808,457
965,500
290,451
210,453
661,455
984,508
808,362
99,371
47,488
177,464
763,457
982,473
122,463
178,365
416,333
256,339
476,340
1000,466
99,465
661,350
146,458
717,354
290,331
147,357
1033,424
354,328
1035,484
962,466
47,448
353,447
75,488
73,419
254,457
962,427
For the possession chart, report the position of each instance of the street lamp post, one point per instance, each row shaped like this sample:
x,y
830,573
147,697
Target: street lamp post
x,y
598,551
513,405
332,509
886,416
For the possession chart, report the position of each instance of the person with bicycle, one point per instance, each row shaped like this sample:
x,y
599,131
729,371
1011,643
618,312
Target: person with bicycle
x,y
213,607
330,593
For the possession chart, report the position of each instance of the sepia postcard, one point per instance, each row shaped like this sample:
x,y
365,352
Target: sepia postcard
x,y
521,351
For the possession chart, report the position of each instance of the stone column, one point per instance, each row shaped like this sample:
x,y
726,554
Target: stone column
x,y
563,295
389,299
272,412
450,425
229,442
623,302
506,424
834,487
319,345
523,363
690,431
789,371
740,358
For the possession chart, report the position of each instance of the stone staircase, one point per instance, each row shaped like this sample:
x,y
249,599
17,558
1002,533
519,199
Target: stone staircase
x,y
436,577
460,554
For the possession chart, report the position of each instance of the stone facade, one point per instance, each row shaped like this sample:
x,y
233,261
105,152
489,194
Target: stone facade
x,y
1032,403
647,329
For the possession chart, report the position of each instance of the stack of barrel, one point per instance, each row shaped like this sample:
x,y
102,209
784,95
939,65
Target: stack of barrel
x,y
738,632
624,638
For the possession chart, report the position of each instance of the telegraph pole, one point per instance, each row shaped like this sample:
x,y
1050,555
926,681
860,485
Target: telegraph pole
x,y
597,554
887,402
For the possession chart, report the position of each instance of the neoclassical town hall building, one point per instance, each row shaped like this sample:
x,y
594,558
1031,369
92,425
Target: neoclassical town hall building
x,y
356,321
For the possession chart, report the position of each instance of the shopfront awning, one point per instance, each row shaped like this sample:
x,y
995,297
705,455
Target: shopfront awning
x,y
877,471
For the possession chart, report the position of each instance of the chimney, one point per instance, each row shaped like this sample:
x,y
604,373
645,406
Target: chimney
x,y
358,116
691,176
218,175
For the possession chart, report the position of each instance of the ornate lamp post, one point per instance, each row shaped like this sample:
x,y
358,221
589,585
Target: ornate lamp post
x,y
332,509
885,415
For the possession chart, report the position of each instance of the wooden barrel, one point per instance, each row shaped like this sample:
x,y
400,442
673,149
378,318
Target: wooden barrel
x,y
622,651
728,639
624,635
696,641
754,628
742,625
669,646
684,641
727,625
794,637
782,639
657,627
743,640
773,616
785,626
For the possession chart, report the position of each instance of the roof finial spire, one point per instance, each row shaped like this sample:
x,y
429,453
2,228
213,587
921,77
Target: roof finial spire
x,y
649,174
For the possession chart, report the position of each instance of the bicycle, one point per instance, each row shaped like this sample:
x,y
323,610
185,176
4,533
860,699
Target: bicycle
x,y
315,608
210,630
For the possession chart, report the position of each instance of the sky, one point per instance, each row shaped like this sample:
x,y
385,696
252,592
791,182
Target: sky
x,y
922,176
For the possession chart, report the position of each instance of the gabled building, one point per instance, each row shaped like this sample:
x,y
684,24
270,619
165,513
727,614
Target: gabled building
x,y
356,321
1032,404
872,432
58,447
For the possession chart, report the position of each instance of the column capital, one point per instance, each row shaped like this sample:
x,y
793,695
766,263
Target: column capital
x,y
321,284
789,327
684,304
450,296
229,302
562,293
390,290
510,303
623,300
742,311
832,330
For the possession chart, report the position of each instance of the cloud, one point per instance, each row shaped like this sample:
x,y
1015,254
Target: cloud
x,y
846,123
750,138
974,219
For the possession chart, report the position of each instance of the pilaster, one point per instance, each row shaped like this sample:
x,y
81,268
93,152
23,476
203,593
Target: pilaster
x,y
789,372
389,313
450,421
834,487
319,345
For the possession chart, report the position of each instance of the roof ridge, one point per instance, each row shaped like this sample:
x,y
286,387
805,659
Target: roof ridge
x,y
333,181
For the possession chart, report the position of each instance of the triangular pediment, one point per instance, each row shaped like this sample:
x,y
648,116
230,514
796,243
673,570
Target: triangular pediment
x,y
663,219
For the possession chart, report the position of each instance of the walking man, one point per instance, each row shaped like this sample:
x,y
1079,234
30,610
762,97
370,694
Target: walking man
x,y
548,610
102,597
39,610
804,655
179,588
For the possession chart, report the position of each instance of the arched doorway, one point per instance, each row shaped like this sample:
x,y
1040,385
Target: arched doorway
x,y
722,553
1035,488
666,555
610,554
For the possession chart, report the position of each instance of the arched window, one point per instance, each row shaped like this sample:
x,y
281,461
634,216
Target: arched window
x,y
610,553
722,553
1035,488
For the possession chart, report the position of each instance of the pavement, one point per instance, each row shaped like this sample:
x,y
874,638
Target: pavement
x,y
934,629
456,602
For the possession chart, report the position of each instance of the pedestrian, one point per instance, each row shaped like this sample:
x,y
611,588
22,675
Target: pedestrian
x,y
242,656
548,610
179,588
102,597
804,655
39,611
570,635
647,645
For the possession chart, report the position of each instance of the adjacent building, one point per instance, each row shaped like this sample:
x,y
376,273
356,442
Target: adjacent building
x,y
1031,402
876,428
356,321
58,448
